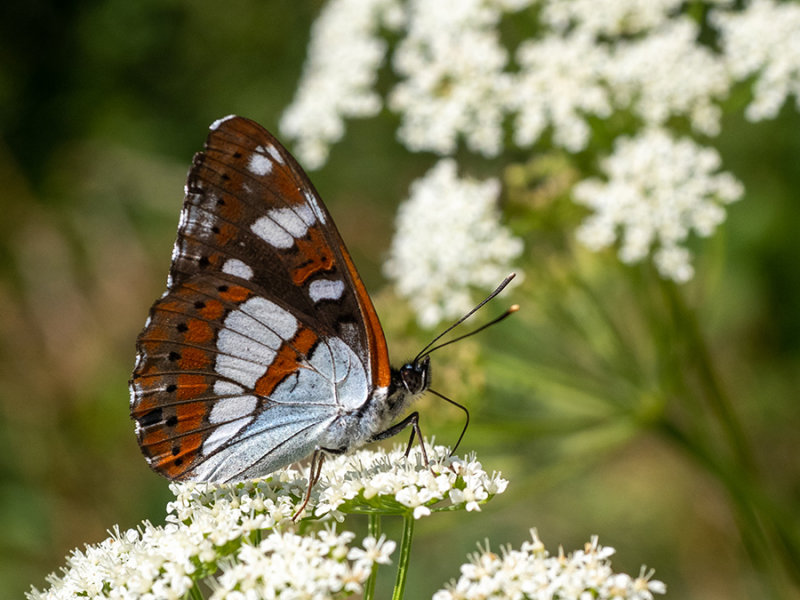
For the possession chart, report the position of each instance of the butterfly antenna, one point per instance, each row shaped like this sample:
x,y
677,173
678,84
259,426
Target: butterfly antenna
x,y
430,347
510,311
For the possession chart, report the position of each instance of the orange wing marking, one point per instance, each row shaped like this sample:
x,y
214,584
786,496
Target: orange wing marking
x,y
285,361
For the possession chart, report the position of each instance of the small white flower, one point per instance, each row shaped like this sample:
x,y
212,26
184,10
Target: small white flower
x,y
287,565
340,73
763,40
668,73
374,551
531,573
658,190
449,240
451,68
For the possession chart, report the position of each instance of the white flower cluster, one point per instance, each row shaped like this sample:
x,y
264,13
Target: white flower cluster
x,y
287,565
154,563
658,189
449,239
607,17
565,78
763,42
383,481
667,74
149,563
559,83
342,68
456,79
227,512
387,482
210,531
531,574
450,65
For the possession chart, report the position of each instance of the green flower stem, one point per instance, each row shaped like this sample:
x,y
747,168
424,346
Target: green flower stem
x,y
195,593
373,529
715,395
405,555
770,533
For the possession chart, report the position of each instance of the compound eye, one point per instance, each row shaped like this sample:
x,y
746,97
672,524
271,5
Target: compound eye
x,y
414,377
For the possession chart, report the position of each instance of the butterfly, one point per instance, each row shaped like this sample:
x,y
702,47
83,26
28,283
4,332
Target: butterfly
x,y
265,348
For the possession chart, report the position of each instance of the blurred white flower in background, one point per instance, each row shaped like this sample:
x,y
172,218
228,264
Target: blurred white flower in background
x,y
763,41
559,83
667,74
340,73
452,83
449,238
588,73
658,189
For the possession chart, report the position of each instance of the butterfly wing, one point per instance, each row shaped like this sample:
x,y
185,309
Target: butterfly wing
x,y
266,332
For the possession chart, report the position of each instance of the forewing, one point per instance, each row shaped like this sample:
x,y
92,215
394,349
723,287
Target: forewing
x,y
251,211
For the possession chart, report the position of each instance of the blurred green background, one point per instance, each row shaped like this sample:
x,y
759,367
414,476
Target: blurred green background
x,y
102,105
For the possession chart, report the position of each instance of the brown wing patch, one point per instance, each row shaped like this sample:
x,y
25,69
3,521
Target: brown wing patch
x,y
313,256
172,457
190,386
198,331
285,361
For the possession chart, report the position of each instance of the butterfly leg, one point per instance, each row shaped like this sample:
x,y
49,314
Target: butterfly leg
x,y
314,472
411,420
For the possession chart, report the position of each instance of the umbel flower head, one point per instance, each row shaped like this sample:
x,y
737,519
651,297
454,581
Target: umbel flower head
x,y
658,190
154,562
240,540
368,480
530,573
449,239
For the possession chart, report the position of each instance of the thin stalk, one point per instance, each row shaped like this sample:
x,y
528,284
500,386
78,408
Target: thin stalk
x,y
770,532
405,555
374,530
195,593
718,400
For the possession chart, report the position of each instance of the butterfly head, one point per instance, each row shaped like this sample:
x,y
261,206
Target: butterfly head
x,y
415,377
408,382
